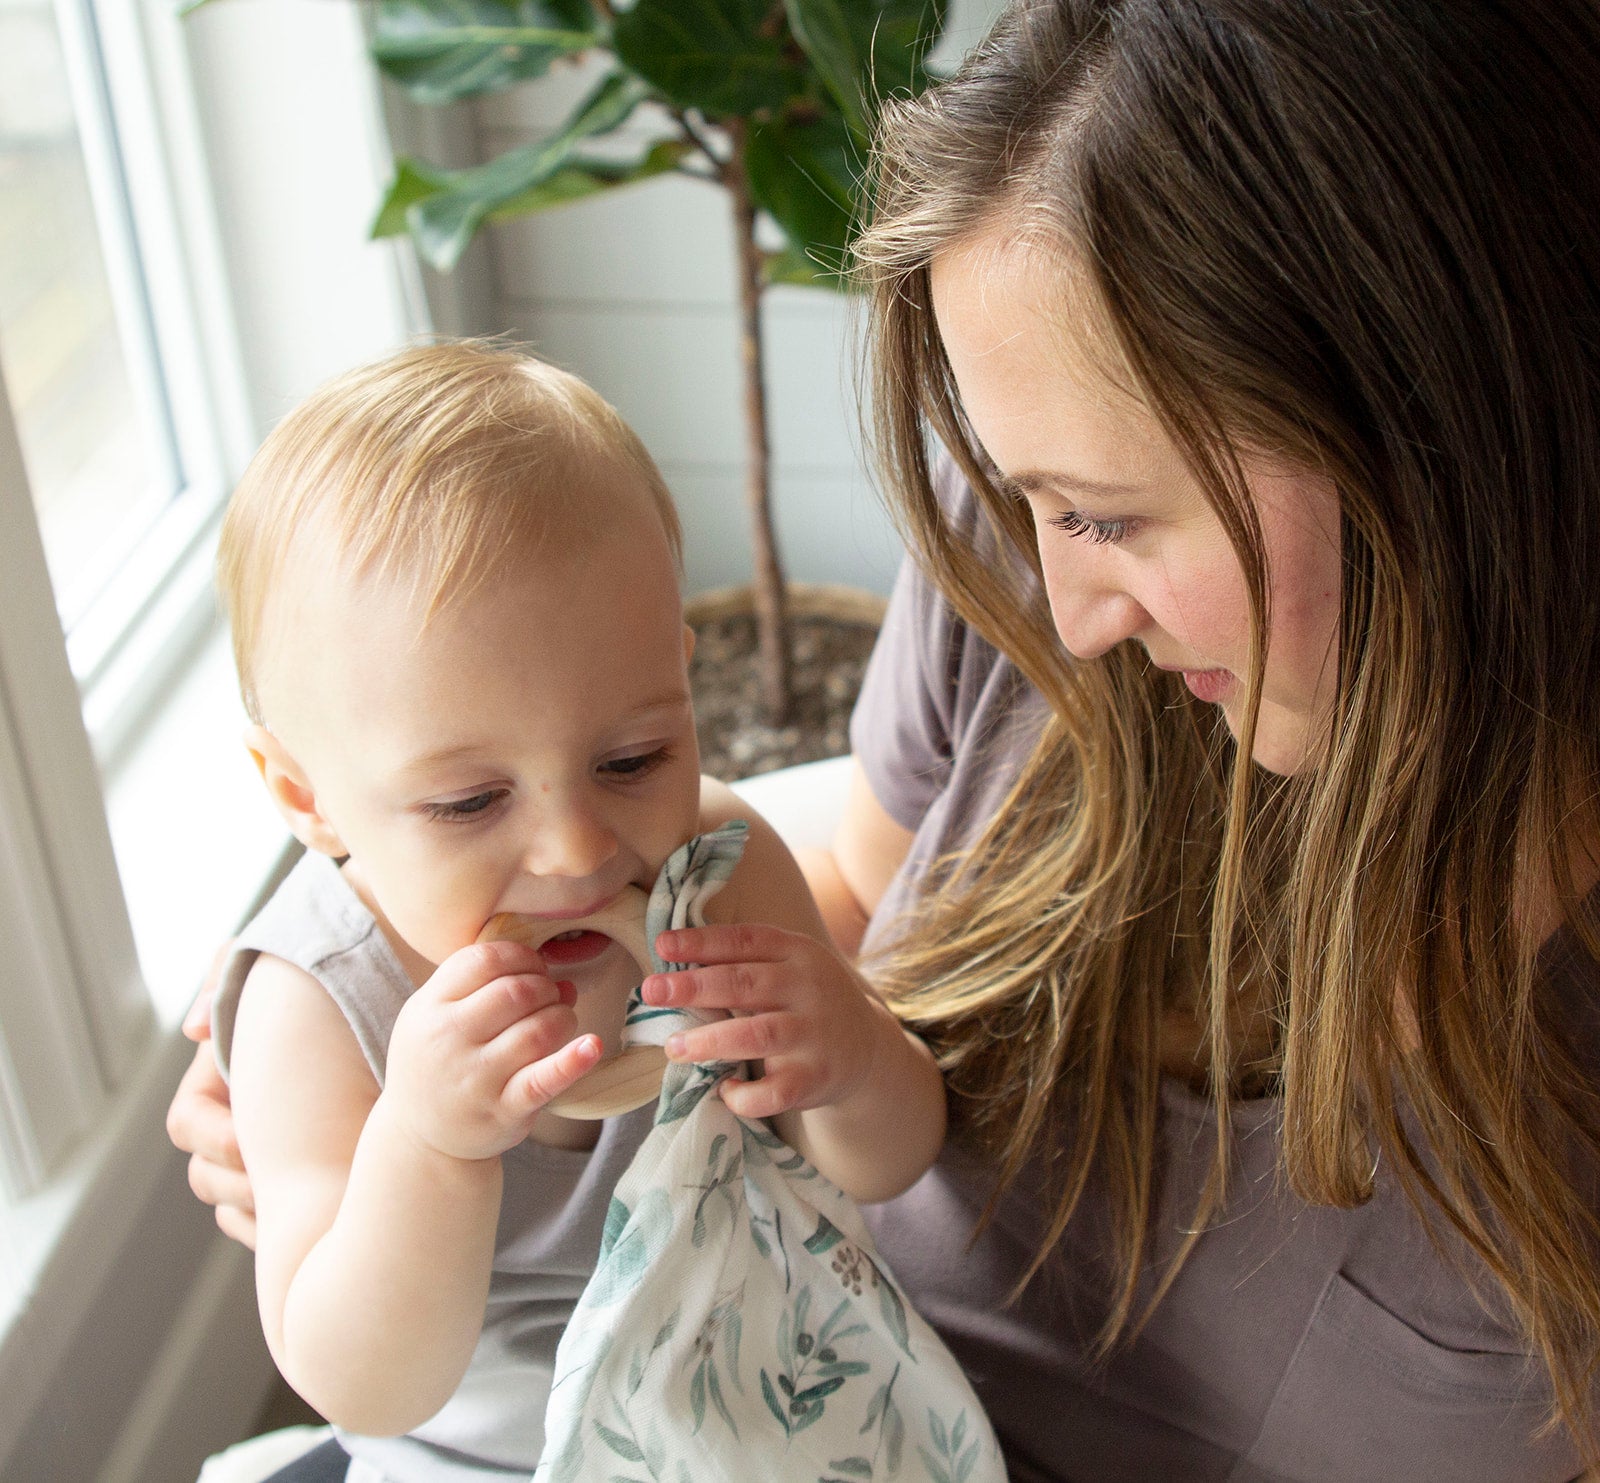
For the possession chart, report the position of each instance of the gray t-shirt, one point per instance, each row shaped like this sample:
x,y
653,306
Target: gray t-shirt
x,y
552,1207
1298,1341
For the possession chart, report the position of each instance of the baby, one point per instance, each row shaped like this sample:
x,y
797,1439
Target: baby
x,y
453,583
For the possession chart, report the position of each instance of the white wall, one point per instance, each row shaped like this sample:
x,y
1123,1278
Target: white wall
x,y
634,291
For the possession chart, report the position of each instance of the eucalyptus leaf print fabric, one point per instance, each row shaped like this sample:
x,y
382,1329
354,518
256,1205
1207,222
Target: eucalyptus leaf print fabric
x,y
740,1325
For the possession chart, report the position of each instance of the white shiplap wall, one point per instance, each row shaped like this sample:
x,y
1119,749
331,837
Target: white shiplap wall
x,y
634,291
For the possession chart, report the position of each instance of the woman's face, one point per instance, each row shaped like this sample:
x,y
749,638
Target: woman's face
x,y
1129,546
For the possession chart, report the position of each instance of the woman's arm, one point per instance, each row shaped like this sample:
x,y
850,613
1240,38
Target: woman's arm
x,y
848,878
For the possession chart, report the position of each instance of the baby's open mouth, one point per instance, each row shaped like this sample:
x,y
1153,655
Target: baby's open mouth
x,y
576,945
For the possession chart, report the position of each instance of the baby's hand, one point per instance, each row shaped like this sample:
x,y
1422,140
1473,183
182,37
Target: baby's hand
x,y
798,1007
480,1048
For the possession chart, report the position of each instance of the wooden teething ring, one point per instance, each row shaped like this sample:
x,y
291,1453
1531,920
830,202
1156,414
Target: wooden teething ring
x,y
632,1077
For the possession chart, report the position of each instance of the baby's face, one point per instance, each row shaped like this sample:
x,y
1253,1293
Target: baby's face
x,y
530,749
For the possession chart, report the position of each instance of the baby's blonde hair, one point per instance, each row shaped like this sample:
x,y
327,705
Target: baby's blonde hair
x,y
441,464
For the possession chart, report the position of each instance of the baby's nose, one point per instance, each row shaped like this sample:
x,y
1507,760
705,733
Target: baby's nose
x,y
570,841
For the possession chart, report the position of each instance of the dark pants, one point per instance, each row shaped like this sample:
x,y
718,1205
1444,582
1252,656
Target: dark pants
x,y
324,1464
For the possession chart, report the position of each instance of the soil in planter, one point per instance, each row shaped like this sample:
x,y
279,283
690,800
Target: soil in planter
x,y
828,659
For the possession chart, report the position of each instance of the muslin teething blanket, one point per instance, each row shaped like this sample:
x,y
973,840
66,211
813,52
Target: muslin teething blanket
x,y
740,1327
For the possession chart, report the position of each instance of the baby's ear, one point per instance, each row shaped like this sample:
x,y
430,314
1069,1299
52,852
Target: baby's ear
x,y
688,643
292,792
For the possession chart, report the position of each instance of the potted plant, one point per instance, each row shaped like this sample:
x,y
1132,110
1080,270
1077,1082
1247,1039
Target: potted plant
x,y
771,100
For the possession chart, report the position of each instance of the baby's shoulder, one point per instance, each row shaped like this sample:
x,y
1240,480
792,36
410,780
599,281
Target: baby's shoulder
x,y
767,885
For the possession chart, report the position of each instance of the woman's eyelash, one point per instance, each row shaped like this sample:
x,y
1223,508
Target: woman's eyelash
x,y
461,810
640,765
1097,532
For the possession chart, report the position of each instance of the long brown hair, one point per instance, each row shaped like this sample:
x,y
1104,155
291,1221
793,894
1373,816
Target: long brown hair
x,y
1364,236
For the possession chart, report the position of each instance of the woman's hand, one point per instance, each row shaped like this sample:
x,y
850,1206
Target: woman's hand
x,y
200,1124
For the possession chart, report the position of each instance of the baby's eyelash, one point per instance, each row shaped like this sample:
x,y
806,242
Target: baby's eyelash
x,y
464,810
639,765
1097,532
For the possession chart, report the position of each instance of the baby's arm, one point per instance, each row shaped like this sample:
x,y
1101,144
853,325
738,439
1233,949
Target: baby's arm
x,y
376,1212
844,1083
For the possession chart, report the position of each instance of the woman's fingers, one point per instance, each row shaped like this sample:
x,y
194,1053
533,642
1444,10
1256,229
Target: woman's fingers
x,y
238,1224
200,1119
227,1189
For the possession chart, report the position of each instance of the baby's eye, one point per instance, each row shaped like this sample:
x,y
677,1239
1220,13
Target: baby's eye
x,y
461,810
637,765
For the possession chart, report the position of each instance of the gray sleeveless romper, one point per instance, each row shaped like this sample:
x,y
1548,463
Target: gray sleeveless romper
x,y
551,1214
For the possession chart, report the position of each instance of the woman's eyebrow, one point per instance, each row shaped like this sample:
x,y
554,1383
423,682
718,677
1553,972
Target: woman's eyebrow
x,y
1041,481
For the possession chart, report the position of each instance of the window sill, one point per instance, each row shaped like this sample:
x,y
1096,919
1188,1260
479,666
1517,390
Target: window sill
x,y
196,840
197,844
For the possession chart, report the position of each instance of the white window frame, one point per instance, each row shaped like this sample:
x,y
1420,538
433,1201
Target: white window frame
x,y
251,207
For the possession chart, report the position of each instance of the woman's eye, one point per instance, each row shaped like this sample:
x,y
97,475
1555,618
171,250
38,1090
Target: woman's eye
x,y
636,766
455,810
1097,532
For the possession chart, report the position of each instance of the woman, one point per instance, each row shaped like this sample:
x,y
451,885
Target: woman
x,y
1254,913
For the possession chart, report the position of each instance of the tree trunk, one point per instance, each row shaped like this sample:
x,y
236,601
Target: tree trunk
x,y
771,618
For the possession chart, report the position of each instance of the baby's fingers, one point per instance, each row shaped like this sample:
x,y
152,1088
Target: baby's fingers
x,y
548,1077
503,1003
757,1037
767,1097
741,942
742,988
468,969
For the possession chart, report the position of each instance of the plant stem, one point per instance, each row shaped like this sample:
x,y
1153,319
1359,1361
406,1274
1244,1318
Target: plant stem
x,y
699,140
771,619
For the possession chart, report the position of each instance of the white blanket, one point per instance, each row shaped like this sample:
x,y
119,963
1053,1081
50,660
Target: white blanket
x,y
740,1326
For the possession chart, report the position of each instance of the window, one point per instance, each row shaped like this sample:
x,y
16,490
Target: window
x,y
127,410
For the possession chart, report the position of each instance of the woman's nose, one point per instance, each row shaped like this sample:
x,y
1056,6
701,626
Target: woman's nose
x,y
570,840
1091,616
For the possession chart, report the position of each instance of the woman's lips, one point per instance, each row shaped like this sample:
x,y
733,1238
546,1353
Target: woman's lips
x,y
566,949
1212,685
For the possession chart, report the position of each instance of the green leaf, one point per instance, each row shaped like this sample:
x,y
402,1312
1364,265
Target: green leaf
x,y
866,50
894,1436
445,218
715,1387
616,1220
413,182
844,1367
724,57
807,176
856,1467
624,1447
820,1391
441,50
771,1398
893,1309
826,1236
697,1395
638,1244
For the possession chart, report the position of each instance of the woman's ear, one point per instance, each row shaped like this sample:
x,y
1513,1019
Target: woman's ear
x,y
688,643
291,791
